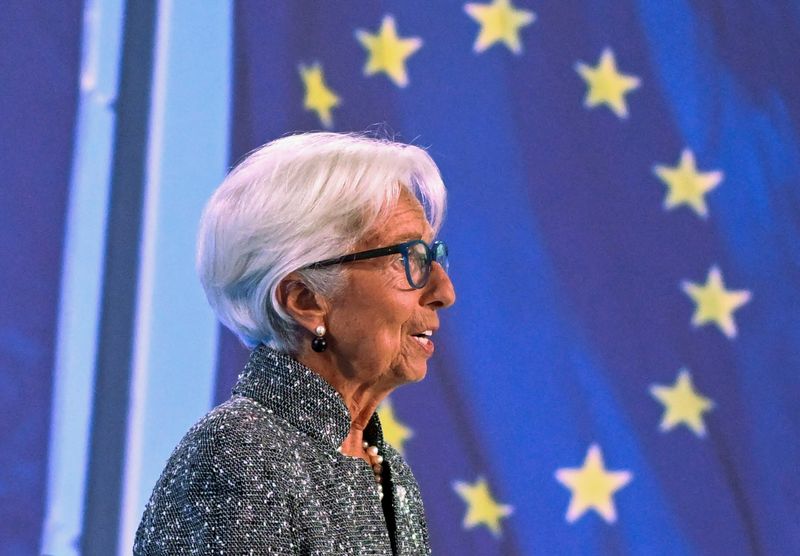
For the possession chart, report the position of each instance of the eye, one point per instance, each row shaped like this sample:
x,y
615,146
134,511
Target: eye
x,y
418,260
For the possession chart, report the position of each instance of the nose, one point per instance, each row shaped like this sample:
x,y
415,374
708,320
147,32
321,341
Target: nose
x,y
439,290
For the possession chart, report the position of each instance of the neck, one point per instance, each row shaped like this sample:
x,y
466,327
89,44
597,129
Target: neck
x,y
361,397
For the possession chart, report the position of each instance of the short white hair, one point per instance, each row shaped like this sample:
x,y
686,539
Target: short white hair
x,y
295,201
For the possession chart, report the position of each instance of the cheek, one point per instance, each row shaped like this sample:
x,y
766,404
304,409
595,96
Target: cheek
x,y
390,341
394,340
369,334
373,319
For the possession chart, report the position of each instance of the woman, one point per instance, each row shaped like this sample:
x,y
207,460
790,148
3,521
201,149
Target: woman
x,y
317,251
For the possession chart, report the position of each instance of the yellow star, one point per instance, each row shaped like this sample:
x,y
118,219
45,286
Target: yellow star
x,y
606,85
388,52
482,509
499,21
592,486
714,303
686,185
682,404
318,96
394,432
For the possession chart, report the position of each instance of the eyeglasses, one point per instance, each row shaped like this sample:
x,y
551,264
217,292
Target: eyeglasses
x,y
418,257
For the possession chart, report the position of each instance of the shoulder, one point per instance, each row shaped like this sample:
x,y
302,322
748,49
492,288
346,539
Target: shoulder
x,y
233,446
237,450
241,419
235,438
231,475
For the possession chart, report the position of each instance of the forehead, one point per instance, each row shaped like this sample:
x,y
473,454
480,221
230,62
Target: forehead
x,y
404,221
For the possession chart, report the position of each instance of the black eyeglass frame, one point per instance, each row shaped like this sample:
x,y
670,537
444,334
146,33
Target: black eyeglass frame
x,y
403,249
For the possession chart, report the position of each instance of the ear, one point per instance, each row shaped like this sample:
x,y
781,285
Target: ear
x,y
305,307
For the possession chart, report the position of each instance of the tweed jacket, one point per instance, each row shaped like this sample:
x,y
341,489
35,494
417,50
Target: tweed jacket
x,y
261,474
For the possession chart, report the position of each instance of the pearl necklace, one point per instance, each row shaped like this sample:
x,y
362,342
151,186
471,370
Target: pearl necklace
x,y
375,461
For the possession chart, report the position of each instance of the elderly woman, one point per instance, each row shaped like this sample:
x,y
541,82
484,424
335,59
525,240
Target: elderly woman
x,y
318,251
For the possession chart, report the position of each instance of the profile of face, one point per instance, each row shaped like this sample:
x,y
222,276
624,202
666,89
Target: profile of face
x,y
379,327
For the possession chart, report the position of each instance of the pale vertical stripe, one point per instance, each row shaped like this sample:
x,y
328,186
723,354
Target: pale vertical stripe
x,y
141,359
174,356
81,280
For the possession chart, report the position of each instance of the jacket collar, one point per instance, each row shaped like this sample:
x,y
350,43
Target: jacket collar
x,y
298,395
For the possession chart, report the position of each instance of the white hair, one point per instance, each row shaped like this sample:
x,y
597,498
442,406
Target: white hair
x,y
295,201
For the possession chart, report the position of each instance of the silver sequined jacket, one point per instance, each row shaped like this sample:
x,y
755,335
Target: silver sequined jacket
x,y
261,474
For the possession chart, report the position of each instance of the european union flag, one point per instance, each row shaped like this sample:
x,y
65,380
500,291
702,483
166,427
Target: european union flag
x,y
620,372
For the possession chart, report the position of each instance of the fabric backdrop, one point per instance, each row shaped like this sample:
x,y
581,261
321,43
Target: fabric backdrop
x,y
621,371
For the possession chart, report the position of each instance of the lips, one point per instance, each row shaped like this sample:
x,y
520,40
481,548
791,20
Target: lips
x,y
423,339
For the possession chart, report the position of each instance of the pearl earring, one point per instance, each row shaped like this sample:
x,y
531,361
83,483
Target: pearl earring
x,y
319,344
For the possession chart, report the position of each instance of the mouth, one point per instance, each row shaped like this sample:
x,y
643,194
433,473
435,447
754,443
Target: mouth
x,y
424,341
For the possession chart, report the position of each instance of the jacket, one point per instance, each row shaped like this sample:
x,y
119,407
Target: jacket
x,y
261,474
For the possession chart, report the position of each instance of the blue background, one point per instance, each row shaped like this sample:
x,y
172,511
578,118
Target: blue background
x,y
118,119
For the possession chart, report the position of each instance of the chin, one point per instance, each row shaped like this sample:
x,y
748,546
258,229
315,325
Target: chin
x,y
408,374
418,373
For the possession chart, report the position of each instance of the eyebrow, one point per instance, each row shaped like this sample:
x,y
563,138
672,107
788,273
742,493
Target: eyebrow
x,y
409,236
402,238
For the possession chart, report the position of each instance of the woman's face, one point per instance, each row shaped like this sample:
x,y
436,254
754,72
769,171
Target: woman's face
x,y
375,322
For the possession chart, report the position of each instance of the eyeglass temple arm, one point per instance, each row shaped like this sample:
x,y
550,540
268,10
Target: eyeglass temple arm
x,y
369,254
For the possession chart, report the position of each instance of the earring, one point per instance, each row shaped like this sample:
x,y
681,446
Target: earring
x,y
319,344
